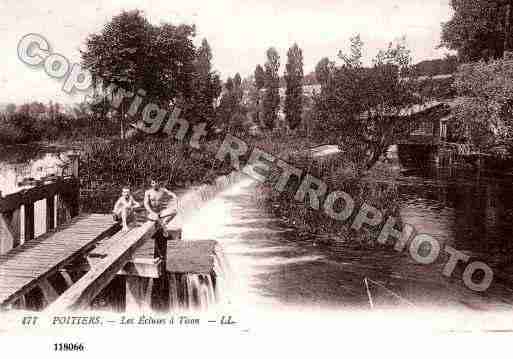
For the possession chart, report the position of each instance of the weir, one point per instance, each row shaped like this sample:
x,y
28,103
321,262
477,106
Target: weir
x,y
87,263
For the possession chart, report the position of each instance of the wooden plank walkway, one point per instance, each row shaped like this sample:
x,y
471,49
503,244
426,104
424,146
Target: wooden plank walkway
x,y
83,292
26,266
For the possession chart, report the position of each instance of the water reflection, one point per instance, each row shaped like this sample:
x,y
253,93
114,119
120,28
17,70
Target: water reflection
x,y
471,213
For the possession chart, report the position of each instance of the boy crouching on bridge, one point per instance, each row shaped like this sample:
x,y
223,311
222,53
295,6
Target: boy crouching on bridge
x,y
124,208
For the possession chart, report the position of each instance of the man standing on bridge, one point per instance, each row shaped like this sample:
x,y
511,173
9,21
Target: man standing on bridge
x,y
156,205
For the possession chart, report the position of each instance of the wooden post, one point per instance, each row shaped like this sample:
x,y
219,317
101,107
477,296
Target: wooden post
x,y
160,250
71,200
55,210
67,207
28,215
60,215
50,213
162,283
75,165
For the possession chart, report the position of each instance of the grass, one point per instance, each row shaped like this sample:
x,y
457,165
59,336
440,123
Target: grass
x,y
337,173
108,166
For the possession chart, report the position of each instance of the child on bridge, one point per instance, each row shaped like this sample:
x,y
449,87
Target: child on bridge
x,y
124,208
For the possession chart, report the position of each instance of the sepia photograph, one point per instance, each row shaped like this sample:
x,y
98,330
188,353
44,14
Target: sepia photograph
x,y
228,173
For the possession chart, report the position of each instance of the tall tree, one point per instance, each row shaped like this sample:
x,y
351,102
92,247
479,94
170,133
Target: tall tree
x,y
228,105
259,77
229,84
479,29
360,108
484,117
237,87
354,59
237,80
323,71
130,54
206,88
259,85
294,90
272,87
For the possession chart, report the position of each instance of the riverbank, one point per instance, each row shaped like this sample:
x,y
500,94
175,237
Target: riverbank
x,y
375,188
107,167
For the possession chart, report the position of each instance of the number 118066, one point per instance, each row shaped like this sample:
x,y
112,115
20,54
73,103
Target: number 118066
x,y
68,347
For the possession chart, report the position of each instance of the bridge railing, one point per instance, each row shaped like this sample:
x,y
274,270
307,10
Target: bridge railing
x,y
49,203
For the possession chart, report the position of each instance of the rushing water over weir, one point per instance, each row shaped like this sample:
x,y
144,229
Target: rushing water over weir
x,y
271,266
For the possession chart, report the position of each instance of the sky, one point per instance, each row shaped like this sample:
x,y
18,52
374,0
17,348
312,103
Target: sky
x,y
239,32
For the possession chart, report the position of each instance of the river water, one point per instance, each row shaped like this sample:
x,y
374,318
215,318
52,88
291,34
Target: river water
x,y
272,268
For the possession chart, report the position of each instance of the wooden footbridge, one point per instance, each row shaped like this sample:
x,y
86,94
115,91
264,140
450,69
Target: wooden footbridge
x,y
84,261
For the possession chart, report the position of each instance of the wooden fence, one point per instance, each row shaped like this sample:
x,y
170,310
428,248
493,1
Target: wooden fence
x,y
39,209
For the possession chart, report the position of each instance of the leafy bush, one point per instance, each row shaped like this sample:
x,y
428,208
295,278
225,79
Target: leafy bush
x,y
25,126
107,166
10,134
335,174
486,112
360,107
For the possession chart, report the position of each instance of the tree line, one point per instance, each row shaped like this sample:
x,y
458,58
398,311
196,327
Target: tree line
x,y
481,32
37,121
256,100
159,64
354,105
479,29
